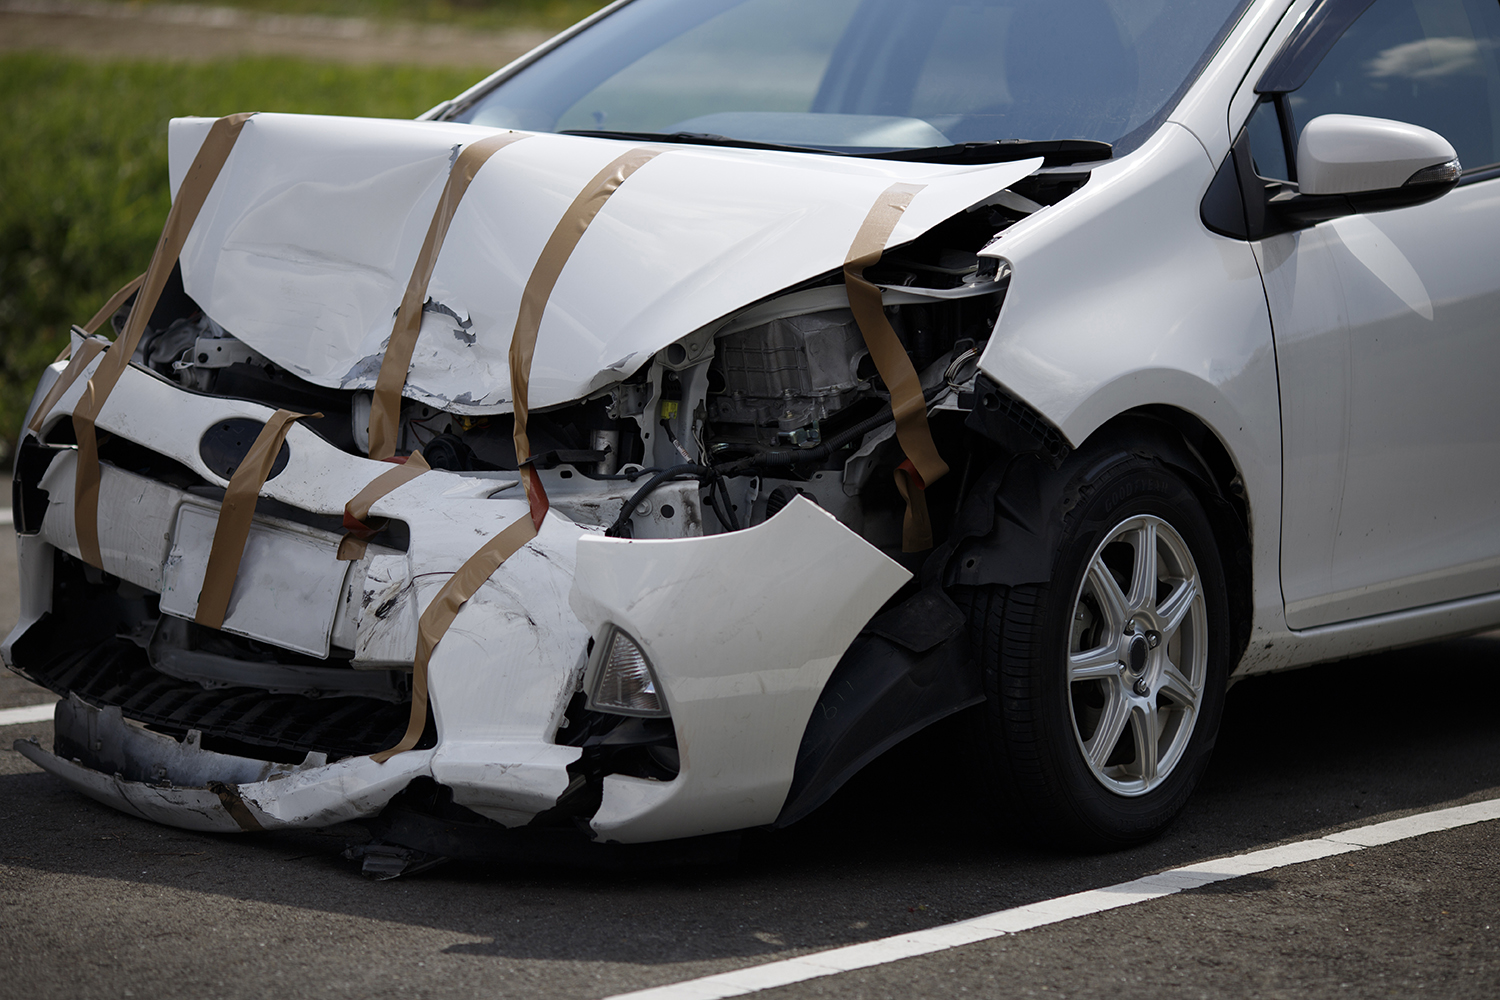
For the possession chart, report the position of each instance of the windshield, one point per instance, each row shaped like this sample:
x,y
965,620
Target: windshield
x,y
856,75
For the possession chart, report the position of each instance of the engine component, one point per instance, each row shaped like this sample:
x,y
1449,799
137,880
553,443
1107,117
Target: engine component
x,y
790,372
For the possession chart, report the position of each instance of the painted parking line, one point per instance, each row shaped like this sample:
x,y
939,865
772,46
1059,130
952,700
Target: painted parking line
x,y
27,713
1051,911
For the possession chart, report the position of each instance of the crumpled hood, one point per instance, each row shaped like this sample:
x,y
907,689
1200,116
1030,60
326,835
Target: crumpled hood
x,y
308,239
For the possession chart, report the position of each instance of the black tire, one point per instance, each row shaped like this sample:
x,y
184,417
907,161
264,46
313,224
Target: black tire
x,y
1029,735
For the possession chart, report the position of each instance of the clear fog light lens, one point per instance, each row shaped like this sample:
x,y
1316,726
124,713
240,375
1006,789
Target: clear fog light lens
x,y
625,682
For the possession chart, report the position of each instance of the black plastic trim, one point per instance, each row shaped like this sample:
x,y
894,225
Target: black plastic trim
x,y
1319,31
28,499
1012,424
225,444
910,667
1480,174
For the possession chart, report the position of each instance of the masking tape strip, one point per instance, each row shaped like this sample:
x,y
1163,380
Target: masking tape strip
x,y
235,514
234,805
113,305
443,610
89,348
433,624
357,510
892,362
385,406
560,245
185,207
916,526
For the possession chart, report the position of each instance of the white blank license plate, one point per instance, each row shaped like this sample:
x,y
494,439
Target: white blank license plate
x,y
288,587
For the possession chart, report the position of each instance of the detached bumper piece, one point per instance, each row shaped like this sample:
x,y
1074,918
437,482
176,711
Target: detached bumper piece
x,y
152,775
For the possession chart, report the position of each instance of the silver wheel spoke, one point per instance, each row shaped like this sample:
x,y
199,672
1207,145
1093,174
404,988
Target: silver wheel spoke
x,y
1177,605
1094,664
1177,687
1144,726
1111,597
1147,657
1111,724
1143,571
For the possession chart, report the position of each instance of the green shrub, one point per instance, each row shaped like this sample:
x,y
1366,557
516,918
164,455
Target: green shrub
x,y
83,174
490,14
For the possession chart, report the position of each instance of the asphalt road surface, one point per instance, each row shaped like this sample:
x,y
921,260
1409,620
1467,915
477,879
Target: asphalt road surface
x,y
96,904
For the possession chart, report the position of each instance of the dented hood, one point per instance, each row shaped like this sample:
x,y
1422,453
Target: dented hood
x,y
308,239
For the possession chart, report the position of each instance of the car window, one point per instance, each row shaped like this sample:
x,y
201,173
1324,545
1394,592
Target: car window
x,y
1427,62
869,73
1267,150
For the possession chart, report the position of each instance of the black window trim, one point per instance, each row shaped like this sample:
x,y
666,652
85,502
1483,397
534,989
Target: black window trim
x,y
1304,49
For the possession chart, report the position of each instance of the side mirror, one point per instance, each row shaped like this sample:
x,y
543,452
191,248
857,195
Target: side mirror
x,y
1353,155
1346,164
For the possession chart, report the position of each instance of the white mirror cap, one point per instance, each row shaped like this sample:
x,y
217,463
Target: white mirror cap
x,y
1349,154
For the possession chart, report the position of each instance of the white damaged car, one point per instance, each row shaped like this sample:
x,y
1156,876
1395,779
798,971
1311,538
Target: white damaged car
x,y
640,443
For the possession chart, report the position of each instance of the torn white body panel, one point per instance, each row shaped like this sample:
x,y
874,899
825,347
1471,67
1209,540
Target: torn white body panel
x,y
305,244
740,659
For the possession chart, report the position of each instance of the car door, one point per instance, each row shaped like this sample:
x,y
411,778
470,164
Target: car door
x,y
1387,331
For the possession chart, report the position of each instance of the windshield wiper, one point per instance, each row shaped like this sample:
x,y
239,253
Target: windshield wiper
x,y
1054,152
695,139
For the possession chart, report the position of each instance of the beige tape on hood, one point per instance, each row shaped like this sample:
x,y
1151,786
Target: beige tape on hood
x,y
87,351
357,510
479,567
113,305
235,515
385,407
560,246
892,362
185,207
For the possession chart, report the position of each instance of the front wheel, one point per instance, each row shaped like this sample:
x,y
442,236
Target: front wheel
x,y
1105,683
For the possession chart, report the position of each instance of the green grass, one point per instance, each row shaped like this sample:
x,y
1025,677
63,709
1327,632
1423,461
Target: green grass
x,y
83,174
490,14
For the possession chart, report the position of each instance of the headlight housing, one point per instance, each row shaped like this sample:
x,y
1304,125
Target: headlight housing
x,y
624,682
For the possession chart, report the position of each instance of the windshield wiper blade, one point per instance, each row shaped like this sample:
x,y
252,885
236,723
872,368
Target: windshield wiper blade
x,y
695,139
1054,152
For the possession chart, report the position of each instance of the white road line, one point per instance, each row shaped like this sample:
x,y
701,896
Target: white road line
x,y
27,713
1051,911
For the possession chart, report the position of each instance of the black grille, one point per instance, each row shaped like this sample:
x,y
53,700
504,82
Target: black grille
x,y
246,721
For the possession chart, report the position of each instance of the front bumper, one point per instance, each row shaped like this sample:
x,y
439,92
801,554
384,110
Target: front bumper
x,y
743,629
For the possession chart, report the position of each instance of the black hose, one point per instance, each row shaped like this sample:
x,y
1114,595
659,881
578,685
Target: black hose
x,y
801,456
721,490
613,531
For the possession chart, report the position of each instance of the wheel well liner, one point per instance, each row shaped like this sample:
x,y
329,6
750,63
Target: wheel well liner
x,y
1004,533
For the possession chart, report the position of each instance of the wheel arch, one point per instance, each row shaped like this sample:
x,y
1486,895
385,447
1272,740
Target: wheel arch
x,y
1006,537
